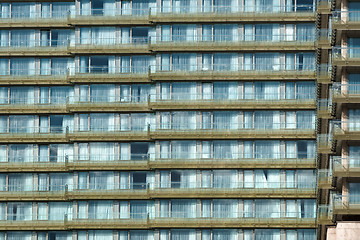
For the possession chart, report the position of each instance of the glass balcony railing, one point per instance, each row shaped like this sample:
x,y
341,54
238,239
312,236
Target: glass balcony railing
x,y
218,9
324,36
324,108
36,44
346,204
345,90
183,97
245,39
325,214
159,186
213,127
325,178
344,17
342,53
83,43
157,69
171,216
342,126
346,164
324,143
273,159
230,67
34,14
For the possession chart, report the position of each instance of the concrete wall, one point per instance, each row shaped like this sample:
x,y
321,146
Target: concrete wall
x,y
344,231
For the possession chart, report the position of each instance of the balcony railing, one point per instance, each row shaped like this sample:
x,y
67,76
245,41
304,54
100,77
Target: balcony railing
x,y
347,204
324,6
344,166
324,38
235,101
346,53
234,67
158,190
346,92
345,17
325,214
324,74
324,143
324,108
233,9
346,126
175,219
325,178
159,160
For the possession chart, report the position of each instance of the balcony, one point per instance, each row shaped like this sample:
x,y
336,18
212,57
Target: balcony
x,y
324,38
65,135
324,7
346,57
132,45
140,221
223,43
347,204
325,144
346,130
325,109
346,20
345,94
155,190
94,74
261,131
232,72
110,17
324,74
34,19
325,179
199,161
34,48
325,214
213,102
64,163
33,135
147,162
232,14
73,104
31,105
37,76
108,104
346,166
109,133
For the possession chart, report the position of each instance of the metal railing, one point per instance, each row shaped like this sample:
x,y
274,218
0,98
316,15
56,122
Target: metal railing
x,y
193,97
341,126
245,38
233,67
346,89
173,185
158,215
345,16
275,158
345,52
345,163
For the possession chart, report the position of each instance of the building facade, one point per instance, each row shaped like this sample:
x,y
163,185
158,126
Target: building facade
x,y
338,110
167,119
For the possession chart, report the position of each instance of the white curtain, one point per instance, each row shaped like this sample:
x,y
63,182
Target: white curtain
x,y
183,208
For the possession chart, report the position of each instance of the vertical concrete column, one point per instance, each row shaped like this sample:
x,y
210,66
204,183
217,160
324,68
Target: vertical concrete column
x,y
344,156
345,193
344,14
344,119
344,83
344,45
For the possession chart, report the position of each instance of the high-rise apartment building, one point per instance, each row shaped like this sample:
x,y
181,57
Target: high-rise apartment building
x,y
171,119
